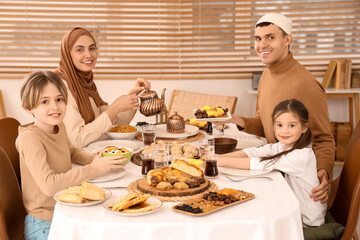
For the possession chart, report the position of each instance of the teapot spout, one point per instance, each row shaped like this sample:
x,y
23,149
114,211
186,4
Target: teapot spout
x,y
163,95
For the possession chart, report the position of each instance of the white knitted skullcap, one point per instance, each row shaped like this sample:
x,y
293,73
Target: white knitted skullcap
x,y
280,20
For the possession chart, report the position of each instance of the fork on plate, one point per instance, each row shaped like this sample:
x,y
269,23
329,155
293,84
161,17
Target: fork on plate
x,y
242,179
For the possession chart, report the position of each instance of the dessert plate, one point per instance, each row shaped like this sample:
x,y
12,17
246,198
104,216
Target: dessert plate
x,y
190,130
151,200
243,172
220,119
100,145
89,203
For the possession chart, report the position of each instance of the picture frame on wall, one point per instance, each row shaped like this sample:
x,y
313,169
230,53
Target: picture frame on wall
x,y
255,80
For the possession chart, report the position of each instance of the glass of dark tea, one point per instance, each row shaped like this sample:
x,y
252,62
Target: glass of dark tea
x,y
149,134
211,169
147,163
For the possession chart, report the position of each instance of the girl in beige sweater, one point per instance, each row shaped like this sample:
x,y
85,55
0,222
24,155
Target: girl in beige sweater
x,y
46,154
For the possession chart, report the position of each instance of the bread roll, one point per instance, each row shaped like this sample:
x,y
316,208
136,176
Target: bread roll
x,y
187,168
155,176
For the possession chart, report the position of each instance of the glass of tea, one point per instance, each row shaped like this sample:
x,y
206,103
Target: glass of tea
x,y
211,169
161,158
207,146
149,134
147,163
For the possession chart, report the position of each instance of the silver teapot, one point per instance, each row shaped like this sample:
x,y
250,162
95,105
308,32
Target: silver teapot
x,y
150,103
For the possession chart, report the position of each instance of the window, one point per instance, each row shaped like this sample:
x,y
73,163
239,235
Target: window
x,y
173,39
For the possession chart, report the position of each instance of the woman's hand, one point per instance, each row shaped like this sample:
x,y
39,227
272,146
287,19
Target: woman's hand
x,y
122,104
139,86
105,164
321,192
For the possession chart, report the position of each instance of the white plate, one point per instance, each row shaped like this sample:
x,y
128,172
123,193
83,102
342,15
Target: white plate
x,y
100,145
89,203
248,142
151,200
242,172
111,175
220,119
190,130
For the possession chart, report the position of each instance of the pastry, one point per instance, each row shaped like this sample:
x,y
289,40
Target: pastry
x,y
71,198
164,186
91,191
187,168
180,186
155,176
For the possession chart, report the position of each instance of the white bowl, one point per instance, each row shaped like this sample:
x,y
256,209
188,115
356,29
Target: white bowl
x,y
118,135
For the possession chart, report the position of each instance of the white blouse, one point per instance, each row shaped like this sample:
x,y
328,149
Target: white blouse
x,y
300,171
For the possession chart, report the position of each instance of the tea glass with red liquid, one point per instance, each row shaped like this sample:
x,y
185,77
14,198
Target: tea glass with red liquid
x,y
149,134
211,169
147,163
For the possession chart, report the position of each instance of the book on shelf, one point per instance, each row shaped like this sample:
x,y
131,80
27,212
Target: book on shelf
x,y
338,74
348,71
329,74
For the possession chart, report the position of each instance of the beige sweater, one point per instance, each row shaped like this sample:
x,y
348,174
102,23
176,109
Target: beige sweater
x,y
288,79
46,168
81,134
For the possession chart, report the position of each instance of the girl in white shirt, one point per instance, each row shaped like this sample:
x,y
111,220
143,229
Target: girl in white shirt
x,y
292,155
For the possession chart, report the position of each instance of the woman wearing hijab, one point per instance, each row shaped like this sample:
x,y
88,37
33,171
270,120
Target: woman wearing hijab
x,y
88,117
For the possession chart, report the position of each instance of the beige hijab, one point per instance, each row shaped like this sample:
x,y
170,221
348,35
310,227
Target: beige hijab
x,y
81,84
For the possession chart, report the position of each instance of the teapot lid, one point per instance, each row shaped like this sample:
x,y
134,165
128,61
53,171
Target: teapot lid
x,y
176,116
148,94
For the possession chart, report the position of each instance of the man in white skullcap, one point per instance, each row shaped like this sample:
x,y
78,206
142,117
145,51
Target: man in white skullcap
x,y
285,78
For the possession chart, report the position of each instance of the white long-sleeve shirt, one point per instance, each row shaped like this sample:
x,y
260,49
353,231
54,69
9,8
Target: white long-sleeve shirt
x,y
300,171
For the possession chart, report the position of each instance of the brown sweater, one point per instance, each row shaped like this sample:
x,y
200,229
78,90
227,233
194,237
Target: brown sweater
x,y
288,79
46,168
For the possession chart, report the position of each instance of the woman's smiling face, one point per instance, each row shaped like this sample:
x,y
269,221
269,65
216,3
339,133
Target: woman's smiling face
x,y
84,54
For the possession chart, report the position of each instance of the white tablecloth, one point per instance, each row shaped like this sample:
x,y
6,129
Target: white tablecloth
x,y
272,215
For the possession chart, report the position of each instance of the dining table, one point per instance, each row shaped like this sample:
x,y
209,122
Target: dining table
x,y
273,214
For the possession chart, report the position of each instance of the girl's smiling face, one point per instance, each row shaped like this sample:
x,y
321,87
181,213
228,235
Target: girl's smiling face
x,y
50,110
84,54
288,128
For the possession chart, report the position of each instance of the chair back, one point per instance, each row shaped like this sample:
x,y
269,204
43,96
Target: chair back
x,y
12,211
184,102
345,208
9,132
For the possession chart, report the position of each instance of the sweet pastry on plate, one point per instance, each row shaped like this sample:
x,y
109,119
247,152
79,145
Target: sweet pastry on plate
x,y
92,192
155,176
71,198
211,112
187,168
164,186
133,203
80,194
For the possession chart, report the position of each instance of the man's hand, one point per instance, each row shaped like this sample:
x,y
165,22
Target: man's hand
x,y
321,192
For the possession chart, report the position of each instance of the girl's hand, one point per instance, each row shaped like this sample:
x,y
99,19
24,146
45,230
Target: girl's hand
x,y
105,164
139,86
